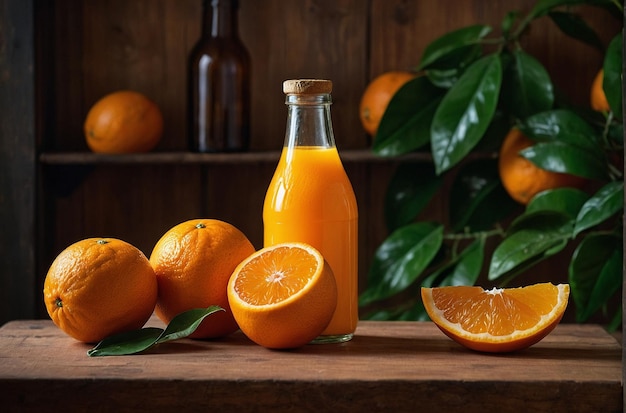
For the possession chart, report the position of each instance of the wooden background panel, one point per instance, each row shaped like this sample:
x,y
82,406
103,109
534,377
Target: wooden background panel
x,y
63,130
17,160
134,203
299,39
235,194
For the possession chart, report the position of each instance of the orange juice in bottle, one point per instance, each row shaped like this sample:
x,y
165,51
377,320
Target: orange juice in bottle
x,y
310,198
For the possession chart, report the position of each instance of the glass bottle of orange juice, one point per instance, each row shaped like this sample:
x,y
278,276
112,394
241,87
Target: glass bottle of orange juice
x,y
310,198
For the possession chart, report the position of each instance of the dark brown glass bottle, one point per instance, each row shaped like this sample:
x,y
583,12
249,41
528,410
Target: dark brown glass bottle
x,y
219,83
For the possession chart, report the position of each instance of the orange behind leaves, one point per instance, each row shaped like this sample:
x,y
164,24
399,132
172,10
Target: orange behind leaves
x,y
497,320
377,95
193,262
123,122
283,296
98,287
521,178
598,98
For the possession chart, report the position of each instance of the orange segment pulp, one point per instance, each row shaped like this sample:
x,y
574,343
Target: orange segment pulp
x,y
283,296
497,320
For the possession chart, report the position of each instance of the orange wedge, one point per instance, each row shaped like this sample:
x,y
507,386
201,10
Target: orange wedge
x,y
283,296
497,320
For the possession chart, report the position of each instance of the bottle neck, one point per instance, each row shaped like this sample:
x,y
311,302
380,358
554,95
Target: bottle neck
x,y
308,121
220,18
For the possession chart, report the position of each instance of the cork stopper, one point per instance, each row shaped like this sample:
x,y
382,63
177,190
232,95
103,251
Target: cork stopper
x,y
307,86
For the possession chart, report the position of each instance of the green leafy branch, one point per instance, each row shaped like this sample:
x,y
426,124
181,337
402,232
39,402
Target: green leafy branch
x,y
472,89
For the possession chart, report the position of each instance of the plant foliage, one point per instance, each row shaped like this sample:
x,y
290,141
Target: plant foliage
x,y
475,86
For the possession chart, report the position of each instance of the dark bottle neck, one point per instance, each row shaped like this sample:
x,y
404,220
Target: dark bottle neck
x,y
220,18
308,121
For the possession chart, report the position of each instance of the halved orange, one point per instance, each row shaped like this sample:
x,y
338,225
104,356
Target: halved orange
x,y
283,296
496,320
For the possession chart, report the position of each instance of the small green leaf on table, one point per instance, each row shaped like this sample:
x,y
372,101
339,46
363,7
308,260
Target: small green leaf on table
x,y
137,341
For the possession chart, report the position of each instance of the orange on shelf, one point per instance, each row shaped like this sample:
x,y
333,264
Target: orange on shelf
x,y
123,122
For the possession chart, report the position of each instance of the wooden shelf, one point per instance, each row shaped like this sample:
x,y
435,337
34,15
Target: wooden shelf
x,y
88,158
388,366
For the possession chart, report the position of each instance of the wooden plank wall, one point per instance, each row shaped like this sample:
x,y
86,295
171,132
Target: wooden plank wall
x,y
103,45
17,161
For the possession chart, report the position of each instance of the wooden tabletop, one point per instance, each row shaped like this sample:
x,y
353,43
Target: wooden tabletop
x,y
388,366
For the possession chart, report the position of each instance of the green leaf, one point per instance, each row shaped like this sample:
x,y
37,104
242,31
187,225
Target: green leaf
x,y
462,269
405,125
465,112
608,201
130,342
532,237
565,126
507,22
382,315
608,283
137,341
443,47
470,263
400,259
527,87
590,259
566,158
564,200
415,313
186,323
447,72
612,83
575,27
477,198
616,322
542,7
616,134
410,189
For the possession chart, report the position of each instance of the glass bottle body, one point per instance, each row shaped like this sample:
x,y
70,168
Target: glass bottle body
x,y
219,83
310,199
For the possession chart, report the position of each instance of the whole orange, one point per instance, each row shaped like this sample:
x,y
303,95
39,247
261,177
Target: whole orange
x,y
377,95
123,122
521,178
100,286
193,262
598,98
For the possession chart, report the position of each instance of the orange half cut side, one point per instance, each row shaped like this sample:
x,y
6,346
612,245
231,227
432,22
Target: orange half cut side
x,y
283,296
496,320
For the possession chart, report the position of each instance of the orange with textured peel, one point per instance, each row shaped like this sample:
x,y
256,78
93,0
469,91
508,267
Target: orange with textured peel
x,y
123,122
377,96
98,287
598,97
193,262
521,178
